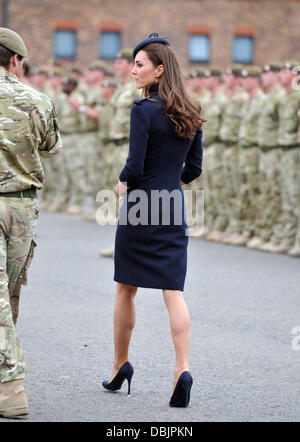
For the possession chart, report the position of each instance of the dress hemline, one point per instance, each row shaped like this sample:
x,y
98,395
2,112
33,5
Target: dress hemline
x,y
143,286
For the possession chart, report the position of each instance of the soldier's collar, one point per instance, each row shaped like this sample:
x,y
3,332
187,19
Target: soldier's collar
x,y
7,74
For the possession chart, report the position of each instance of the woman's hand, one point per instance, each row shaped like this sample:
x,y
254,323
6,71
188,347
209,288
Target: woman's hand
x,y
121,190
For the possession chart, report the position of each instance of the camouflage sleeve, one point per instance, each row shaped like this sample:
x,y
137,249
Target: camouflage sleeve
x,y
120,124
51,144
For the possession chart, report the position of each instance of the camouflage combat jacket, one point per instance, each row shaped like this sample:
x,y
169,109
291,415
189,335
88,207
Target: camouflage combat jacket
x,y
70,117
94,100
213,113
268,124
28,128
250,114
289,119
121,103
232,117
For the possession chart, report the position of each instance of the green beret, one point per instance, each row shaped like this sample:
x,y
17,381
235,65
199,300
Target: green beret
x,y
74,68
291,64
97,65
235,69
192,74
109,72
40,70
126,53
34,71
213,71
200,71
77,69
197,72
109,83
12,41
56,72
70,79
274,66
31,70
55,62
252,71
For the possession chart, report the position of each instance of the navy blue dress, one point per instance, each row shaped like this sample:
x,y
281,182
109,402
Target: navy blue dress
x,y
151,238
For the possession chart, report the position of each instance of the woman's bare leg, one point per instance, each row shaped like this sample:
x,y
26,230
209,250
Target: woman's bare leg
x,y
180,329
124,321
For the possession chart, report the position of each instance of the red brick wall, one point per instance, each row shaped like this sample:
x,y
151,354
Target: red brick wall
x,y
275,23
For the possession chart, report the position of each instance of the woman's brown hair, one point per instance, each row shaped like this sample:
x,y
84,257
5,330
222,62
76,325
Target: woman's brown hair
x,y
183,110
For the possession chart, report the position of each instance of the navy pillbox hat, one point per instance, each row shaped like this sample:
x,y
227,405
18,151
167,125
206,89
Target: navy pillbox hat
x,y
153,38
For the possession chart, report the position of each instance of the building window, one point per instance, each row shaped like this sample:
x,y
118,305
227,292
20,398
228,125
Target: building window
x,y
65,43
110,44
199,48
243,49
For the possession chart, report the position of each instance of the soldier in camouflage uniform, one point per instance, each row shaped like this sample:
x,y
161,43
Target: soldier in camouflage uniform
x,y
115,150
89,139
229,135
203,94
38,80
249,154
56,197
215,206
295,178
269,200
215,162
108,88
95,109
74,157
284,232
29,128
196,83
77,72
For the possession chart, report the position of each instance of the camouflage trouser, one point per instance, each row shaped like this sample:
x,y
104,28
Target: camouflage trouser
x,y
249,190
18,218
216,212
290,197
114,159
48,187
92,149
60,179
232,184
91,146
107,158
270,194
193,196
120,154
194,200
75,160
295,197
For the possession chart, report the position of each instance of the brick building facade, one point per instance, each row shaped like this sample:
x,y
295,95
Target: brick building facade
x,y
207,31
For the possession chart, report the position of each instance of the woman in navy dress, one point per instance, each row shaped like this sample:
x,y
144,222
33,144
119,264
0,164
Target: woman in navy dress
x,y
151,239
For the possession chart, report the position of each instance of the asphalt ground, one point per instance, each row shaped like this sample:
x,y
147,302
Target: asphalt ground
x,y
244,358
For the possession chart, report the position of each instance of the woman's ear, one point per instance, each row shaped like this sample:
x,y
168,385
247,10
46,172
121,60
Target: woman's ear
x,y
160,70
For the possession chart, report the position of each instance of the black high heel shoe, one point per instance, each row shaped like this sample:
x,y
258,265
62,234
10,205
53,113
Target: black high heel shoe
x,y
182,392
125,372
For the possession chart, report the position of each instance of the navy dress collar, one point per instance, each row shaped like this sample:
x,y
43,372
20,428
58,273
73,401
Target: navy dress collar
x,y
153,90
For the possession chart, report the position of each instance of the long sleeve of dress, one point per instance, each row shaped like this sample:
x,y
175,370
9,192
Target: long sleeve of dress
x,y
139,135
192,168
